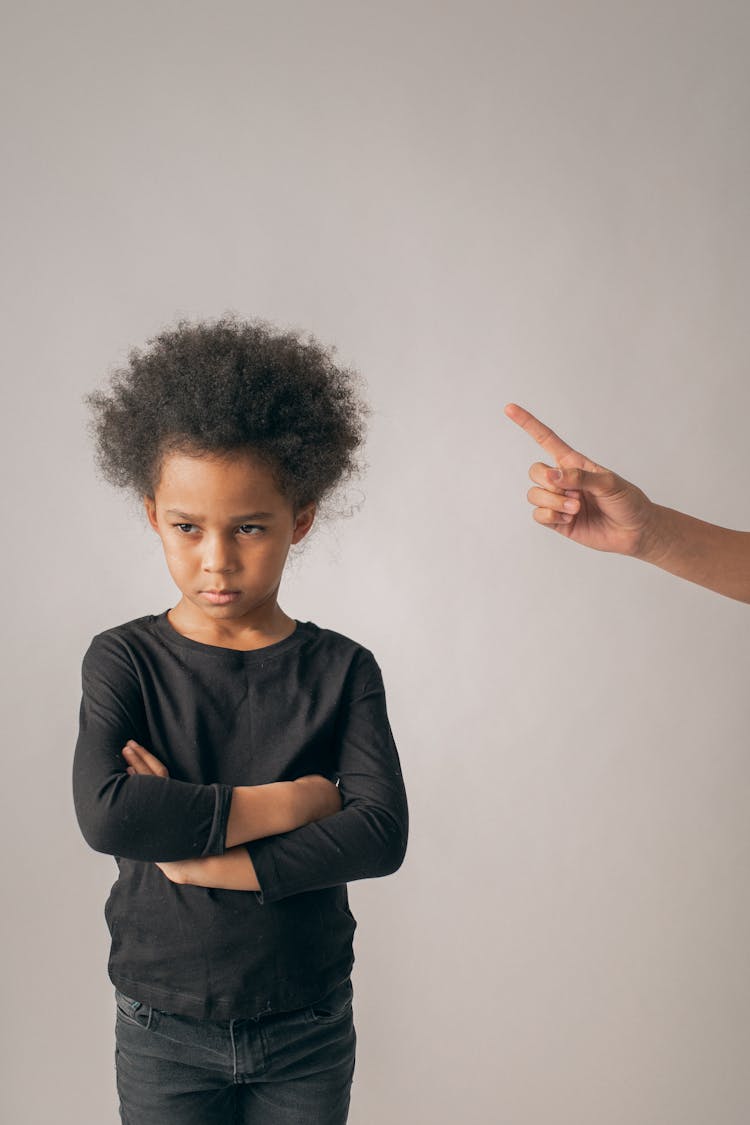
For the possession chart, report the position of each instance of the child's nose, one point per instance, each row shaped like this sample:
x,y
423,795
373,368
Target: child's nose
x,y
218,556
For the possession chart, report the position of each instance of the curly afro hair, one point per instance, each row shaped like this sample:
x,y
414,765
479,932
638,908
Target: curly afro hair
x,y
216,387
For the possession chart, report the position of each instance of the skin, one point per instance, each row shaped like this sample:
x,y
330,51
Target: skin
x,y
225,526
223,523
596,508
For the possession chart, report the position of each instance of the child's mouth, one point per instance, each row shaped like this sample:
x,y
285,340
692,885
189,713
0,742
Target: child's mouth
x,y
220,597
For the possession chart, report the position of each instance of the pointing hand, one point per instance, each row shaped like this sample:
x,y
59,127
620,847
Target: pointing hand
x,y
581,500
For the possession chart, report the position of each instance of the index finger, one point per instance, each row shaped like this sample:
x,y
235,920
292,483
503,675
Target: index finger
x,y
151,761
543,435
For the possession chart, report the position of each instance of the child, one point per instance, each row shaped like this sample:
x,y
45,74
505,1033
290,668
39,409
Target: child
x,y
210,734
596,508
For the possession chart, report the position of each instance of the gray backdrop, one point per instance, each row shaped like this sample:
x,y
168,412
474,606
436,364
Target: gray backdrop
x,y
477,202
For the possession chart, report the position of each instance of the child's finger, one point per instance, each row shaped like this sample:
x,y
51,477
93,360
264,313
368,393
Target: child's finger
x,y
136,764
144,762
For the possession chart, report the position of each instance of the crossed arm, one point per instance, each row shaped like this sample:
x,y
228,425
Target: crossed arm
x,y
597,508
278,839
255,812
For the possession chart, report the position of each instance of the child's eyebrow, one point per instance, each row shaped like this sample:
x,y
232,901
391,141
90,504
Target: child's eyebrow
x,y
232,519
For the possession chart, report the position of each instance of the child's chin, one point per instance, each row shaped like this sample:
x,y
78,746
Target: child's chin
x,y
232,610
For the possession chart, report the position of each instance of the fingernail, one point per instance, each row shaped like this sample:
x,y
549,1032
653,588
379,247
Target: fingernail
x,y
571,505
555,475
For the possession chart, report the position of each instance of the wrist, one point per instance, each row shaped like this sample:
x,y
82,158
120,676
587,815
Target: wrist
x,y
177,871
654,540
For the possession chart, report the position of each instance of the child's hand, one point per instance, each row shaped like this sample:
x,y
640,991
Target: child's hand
x,y
581,500
177,871
141,761
232,871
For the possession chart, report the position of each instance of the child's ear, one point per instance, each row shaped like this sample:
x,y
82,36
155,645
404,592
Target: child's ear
x,y
150,505
303,522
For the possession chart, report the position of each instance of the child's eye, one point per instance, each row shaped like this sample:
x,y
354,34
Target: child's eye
x,y
249,528
185,528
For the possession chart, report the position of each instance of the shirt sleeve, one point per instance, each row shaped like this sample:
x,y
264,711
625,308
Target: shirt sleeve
x,y
134,817
367,838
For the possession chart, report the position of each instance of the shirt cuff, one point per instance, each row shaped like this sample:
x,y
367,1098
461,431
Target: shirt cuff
x,y
265,871
217,833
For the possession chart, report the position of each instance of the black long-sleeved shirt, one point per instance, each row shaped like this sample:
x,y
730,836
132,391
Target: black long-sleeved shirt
x,y
311,703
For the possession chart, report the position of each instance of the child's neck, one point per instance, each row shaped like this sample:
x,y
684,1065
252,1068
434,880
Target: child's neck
x,y
265,627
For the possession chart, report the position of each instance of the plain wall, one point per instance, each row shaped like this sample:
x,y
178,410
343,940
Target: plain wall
x,y
476,202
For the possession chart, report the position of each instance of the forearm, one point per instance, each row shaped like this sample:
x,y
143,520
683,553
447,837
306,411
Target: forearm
x,y
711,556
367,838
150,818
261,810
257,811
124,808
340,849
361,842
233,871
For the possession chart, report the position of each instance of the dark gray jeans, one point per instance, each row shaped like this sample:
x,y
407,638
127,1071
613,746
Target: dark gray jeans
x,y
294,1068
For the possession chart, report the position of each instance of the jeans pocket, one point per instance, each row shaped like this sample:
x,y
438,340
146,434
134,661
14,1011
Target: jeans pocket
x,y
335,1006
133,1011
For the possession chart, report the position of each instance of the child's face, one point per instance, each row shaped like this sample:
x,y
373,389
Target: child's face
x,y
226,531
